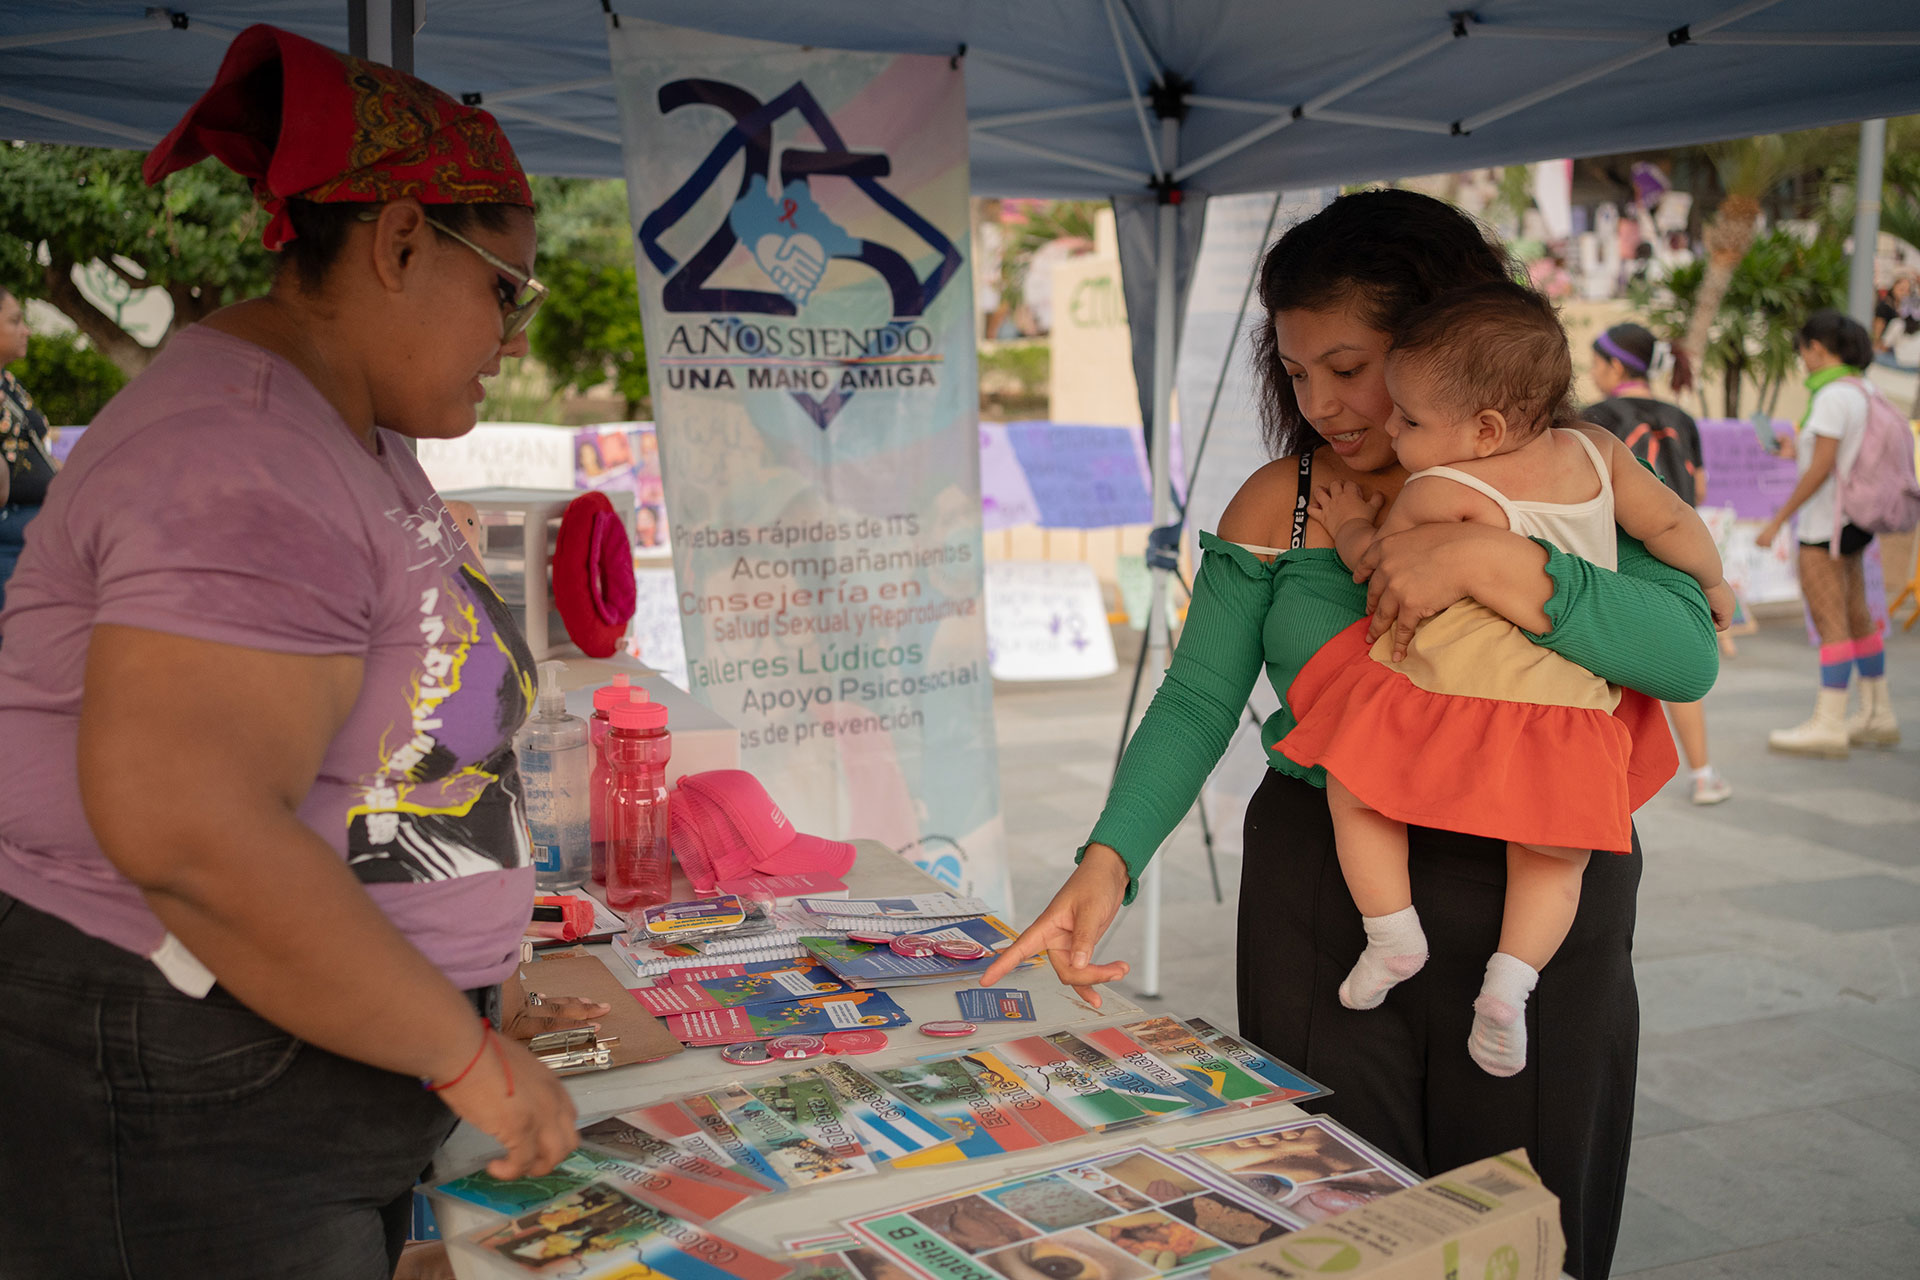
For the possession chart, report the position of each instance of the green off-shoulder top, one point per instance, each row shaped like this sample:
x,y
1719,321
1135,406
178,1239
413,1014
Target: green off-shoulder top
x,y
1645,626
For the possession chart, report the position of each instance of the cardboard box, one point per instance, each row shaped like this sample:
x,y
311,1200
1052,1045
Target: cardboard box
x,y
1490,1220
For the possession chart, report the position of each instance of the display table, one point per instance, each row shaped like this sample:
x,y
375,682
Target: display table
x,y
877,872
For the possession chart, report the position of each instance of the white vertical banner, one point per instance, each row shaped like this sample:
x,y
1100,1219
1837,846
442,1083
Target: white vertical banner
x,y
1215,374
801,235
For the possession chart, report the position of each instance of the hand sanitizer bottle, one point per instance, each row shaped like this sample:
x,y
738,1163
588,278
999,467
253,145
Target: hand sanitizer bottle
x,y
556,766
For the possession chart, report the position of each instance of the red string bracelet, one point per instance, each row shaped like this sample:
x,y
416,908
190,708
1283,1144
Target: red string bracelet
x,y
486,1033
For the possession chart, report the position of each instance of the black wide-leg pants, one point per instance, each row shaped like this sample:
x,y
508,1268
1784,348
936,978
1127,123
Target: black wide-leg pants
x,y
1400,1073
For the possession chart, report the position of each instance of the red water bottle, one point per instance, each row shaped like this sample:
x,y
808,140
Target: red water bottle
x,y
639,857
605,699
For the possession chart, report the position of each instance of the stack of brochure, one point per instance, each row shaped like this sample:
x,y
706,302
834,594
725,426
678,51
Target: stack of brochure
x,y
1134,1213
724,1004
644,1182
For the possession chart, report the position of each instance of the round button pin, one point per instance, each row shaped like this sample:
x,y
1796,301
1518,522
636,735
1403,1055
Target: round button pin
x,y
913,946
796,1046
745,1055
875,939
947,1028
961,949
855,1042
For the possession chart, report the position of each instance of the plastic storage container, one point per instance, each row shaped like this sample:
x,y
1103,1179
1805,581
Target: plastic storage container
x,y
605,699
556,770
639,857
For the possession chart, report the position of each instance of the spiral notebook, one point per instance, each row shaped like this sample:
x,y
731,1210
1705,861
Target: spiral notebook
x,y
878,924
648,963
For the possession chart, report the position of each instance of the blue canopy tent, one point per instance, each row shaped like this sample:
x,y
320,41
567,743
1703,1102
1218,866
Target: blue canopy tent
x,y
1153,103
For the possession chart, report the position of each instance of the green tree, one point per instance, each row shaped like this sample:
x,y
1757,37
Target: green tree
x,y
1779,280
1748,168
1042,224
195,235
67,379
588,333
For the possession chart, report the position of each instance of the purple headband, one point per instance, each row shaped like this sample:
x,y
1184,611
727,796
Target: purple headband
x,y
1609,347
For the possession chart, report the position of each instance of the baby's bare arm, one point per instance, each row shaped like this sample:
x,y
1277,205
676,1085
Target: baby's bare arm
x,y
1655,514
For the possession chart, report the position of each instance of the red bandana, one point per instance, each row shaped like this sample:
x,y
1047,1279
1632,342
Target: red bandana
x,y
297,119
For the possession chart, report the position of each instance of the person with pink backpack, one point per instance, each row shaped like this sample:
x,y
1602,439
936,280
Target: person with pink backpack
x,y
1856,458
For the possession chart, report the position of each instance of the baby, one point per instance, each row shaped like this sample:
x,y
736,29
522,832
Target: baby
x,y
1472,728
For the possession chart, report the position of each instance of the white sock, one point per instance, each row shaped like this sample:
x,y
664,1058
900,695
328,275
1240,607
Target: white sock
x,y
1396,948
1498,1041
1704,772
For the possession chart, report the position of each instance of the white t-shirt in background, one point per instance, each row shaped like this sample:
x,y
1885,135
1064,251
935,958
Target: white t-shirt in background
x,y
1840,413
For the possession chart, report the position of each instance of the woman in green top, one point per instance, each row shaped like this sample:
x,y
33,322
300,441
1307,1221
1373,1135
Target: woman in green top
x,y
1270,591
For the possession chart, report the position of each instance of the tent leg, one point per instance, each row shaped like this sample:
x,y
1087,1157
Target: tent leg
x,y
1166,249
1866,221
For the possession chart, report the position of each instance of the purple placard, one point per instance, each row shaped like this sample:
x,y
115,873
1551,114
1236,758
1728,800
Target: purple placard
x,y
1083,477
1005,499
1740,474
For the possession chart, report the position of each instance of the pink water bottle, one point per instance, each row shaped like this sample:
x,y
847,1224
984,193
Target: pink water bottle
x,y
639,858
605,699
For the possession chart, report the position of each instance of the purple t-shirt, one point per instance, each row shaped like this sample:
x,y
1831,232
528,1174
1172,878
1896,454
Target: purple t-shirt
x,y
220,497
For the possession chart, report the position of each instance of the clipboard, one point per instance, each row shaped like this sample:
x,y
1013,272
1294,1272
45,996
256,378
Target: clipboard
x,y
642,1037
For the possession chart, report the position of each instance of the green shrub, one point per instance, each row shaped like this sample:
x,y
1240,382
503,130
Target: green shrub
x,y
67,378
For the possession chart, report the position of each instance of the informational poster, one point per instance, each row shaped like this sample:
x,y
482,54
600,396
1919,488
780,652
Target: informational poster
x,y
801,232
625,457
1047,620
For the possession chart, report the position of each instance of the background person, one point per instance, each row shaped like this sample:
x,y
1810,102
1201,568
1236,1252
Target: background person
x,y
1834,348
1270,592
1668,438
263,855
26,468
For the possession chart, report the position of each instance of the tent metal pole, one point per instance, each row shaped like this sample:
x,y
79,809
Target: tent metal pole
x,y
1052,113
1866,221
382,31
1139,106
138,136
510,112
38,39
1799,38
1154,67
1137,177
1317,103
543,90
1160,456
1658,45
1366,121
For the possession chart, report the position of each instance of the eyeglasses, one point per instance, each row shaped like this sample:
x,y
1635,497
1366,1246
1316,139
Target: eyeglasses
x,y
520,294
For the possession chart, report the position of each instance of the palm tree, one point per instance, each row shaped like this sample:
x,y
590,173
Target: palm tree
x,y
1748,168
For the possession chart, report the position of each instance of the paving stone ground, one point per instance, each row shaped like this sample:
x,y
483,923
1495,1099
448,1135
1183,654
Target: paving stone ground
x,y
1778,959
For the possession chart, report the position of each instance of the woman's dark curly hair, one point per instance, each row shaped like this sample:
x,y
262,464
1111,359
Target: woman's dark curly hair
x,y
1386,252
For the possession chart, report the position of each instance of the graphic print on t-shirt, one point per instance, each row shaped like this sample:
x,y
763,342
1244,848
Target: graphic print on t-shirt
x,y
445,799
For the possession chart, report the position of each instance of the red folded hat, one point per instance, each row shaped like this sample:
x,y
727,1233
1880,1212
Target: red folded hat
x,y
296,118
593,583
724,826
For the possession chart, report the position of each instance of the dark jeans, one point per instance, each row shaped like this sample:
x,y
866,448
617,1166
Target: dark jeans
x,y
144,1133
1400,1074
13,535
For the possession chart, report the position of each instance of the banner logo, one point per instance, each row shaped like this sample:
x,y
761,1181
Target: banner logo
x,y
776,216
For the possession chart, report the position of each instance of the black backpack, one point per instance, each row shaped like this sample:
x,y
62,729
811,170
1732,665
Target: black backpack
x,y
1659,434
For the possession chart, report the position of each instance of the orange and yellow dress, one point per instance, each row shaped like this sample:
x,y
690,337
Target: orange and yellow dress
x,y
1479,730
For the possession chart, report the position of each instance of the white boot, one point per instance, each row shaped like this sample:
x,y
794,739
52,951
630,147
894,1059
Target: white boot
x,y
1824,735
1873,725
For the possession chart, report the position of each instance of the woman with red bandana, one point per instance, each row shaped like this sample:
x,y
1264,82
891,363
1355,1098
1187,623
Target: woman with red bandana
x,y
263,861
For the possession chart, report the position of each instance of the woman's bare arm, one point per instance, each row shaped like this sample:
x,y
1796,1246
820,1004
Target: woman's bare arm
x,y
194,760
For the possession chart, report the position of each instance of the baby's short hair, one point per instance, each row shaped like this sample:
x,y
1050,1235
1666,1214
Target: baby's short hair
x,y
1492,346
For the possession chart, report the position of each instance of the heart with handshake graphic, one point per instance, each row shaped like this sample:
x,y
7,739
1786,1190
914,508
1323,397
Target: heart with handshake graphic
x,y
789,236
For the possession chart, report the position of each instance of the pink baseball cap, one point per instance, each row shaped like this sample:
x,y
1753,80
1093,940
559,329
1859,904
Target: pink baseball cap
x,y
724,822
